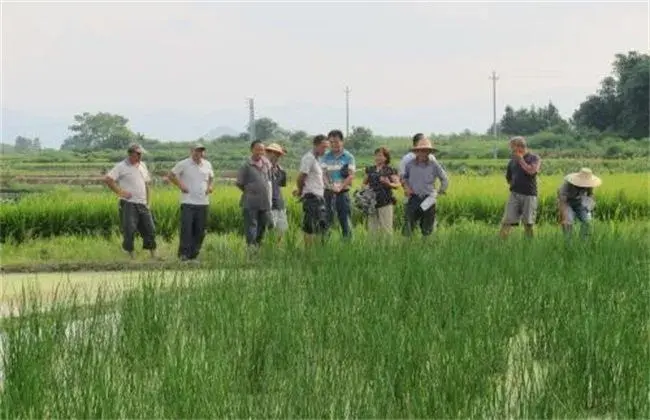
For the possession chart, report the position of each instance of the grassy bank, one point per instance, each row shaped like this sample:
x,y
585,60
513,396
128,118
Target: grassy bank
x,y
469,326
470,198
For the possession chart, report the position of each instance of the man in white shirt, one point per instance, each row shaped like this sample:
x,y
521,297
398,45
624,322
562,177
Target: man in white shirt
x,y
130,179
311,189
194,177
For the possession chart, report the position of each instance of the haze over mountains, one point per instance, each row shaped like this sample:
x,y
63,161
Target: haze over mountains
x,y
179,125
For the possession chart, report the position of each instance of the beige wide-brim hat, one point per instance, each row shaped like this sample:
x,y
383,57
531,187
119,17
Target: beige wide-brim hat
x,y
585,179
276,148
424,144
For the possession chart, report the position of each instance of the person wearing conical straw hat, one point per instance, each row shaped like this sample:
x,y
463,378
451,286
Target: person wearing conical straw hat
x,y
278,180
419,177
575,200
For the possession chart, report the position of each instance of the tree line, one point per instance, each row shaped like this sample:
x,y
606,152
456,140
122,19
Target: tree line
x,y
619,108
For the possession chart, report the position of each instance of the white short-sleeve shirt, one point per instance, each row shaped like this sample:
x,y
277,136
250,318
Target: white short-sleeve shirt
x,y
195,177
310,166
133,179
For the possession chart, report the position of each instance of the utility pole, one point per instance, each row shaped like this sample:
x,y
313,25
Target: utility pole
x,y
251,119
494,79
347,111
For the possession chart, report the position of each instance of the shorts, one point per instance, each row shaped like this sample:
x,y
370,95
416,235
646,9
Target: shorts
x,y
314,214
520,207
279,220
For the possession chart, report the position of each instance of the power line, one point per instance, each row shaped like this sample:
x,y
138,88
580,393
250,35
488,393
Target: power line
x,y
347,111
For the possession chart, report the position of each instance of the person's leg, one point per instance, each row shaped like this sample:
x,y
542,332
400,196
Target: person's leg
x,y
262,224
411,215
129,224
385,219
198,229
185,237
344,213
250,226
584,216
308,226
529,214
427,220
147,228
511,215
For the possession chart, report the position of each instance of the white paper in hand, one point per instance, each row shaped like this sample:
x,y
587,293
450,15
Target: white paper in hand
x,y
428,202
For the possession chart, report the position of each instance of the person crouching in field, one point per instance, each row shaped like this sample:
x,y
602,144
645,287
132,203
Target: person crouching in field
x,y
278,180
194,177
521,175
254,180
130,179
382,180
419,178
575,200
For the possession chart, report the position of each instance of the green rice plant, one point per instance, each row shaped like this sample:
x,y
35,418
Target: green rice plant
x,y
461,326
476,198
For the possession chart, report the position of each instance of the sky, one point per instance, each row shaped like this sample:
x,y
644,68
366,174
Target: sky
x,y
178,70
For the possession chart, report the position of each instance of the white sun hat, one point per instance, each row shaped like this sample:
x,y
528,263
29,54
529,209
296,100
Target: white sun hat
x,y
585,179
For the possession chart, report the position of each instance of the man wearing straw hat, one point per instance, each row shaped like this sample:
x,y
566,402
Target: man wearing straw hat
x,y
278,180
521,175
194,177
419,178
575,200
130,180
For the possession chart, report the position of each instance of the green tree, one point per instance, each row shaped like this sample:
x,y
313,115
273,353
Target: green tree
x,y
361,139
621,105
265,129
99,131
22,144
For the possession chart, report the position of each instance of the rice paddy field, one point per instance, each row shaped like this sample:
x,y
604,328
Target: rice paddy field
x,y
460,325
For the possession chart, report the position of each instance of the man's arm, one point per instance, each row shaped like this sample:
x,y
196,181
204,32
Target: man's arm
x,y
241,178
110,180
509,174
352,167
442,175
405,181
532,168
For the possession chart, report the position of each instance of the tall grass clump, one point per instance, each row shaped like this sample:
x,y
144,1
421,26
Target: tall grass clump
x,y
464,325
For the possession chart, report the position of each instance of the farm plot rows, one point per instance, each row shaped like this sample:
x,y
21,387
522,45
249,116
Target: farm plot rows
x,y
465,326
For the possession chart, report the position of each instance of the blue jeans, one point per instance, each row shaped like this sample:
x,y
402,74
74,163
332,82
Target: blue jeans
x,y
339,204
583,215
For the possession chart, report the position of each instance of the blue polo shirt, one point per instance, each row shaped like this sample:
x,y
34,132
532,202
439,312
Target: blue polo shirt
x,y
333,166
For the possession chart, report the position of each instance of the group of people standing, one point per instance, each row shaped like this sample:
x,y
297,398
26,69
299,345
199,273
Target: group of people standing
x,y
323,186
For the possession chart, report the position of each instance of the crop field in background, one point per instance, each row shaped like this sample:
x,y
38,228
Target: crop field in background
x,y
473,327
460,325
470,198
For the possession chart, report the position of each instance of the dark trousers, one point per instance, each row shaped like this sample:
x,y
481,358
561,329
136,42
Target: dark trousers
x,y
339,205
135,217
413,214
255,223
193,221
